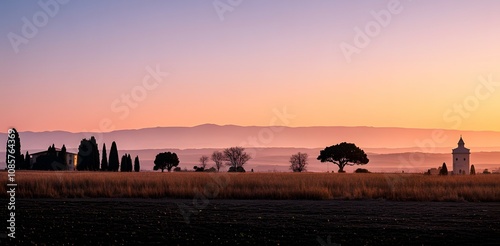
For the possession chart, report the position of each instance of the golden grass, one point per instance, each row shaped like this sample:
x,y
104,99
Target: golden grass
x,y
317,186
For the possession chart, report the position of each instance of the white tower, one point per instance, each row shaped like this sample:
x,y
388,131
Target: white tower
x,y
461,161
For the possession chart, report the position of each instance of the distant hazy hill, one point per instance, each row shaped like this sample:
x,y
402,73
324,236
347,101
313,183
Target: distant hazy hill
x,y
374,139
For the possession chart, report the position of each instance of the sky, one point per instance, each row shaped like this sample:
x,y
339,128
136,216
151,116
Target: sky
x,y
109,65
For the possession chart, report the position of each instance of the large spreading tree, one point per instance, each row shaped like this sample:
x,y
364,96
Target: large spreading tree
x,y
166,160
343,154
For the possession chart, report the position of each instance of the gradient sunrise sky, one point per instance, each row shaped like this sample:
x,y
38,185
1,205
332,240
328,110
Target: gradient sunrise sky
x,y
241,66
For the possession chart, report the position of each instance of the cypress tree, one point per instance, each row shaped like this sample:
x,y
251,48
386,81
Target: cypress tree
x,y
472,170
137,165
27,161
88,155
444,170
96,162
130,163
14,149
62,155
113,158
104,162
20,162
123,167
126,165
84,155
52,151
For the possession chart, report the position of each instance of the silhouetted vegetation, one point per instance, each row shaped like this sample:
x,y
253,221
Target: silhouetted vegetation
x,y
238,169
443,170
126,163
298,162
50,160
198,169
104,161
27,161
472,170
14,149
236,157
88,155
486,171
211,170
343,154
218,159
166,160
114,163
203,161
137,164
361,170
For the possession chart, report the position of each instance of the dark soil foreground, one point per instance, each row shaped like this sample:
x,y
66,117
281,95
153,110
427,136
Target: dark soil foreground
x,y
251,222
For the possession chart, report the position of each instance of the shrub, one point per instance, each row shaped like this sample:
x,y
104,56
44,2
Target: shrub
x,y
212,170
238,169
198,169
362,170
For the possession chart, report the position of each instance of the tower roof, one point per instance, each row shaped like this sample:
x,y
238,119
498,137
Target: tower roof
x,y
461,141
461,147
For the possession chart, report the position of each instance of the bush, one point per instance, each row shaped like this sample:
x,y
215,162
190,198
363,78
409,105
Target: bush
x,y
198,169
238,169
362,170
212,170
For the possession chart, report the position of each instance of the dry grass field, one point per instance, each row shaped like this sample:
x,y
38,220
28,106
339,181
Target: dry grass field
x,y
279,186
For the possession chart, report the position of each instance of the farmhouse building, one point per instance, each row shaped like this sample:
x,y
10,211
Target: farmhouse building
x,y
71,158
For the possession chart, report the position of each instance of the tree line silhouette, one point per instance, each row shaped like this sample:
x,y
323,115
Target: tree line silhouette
x,y
89,158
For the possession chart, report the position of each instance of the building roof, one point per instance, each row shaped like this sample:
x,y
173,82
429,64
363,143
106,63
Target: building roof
x,y
46,151
461,147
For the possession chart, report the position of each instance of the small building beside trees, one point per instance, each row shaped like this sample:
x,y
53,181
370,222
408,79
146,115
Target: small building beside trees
x,y
65,160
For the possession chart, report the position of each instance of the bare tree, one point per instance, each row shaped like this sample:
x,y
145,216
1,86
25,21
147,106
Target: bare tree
x,y
218,158
203,161
298,162
236,157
